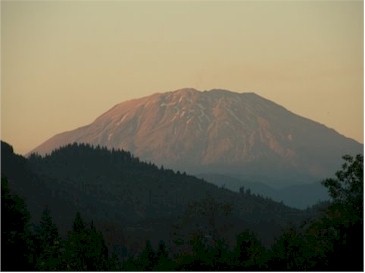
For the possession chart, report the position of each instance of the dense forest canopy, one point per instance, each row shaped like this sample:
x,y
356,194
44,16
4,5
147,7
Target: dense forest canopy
x,y
76,209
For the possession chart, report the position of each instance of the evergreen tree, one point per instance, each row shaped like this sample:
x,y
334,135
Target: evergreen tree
x,y
147,259
163,261
16,237
78,224
75,247
85,249
48,244
97,251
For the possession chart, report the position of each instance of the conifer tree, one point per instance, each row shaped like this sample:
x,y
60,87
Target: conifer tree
x,y
85,248
48,244
147,258
16,237
163,261
97,251
75,247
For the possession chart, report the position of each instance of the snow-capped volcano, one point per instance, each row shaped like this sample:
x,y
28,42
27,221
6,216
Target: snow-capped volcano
x,y
216,131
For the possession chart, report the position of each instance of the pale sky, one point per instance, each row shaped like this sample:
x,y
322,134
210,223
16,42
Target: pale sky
x,y
63,63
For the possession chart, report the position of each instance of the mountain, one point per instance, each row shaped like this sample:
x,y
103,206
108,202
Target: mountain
x,y
297,196
130,200
217,131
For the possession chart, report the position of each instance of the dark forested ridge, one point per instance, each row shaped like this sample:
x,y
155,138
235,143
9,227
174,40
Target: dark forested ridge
x,y
117,189
157,219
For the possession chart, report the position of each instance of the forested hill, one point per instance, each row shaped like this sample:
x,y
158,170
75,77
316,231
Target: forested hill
x,y
134,204
132,201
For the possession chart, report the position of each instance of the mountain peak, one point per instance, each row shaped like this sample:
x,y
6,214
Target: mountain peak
x,y
215,91
215,130
221,92
183,91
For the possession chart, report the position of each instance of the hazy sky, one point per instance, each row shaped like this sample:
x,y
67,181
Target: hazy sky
x,y
63,63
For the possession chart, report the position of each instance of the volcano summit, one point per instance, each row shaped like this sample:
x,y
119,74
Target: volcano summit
x,y
217,131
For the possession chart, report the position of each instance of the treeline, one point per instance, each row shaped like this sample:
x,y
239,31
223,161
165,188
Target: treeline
x,y
332,241
41,248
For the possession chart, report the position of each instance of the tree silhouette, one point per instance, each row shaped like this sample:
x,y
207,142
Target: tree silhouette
x,y
345,215
287,252
249,253
163,261
16,239
97,252
48,244
334,240
85,248
147,258
78,224
347,188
